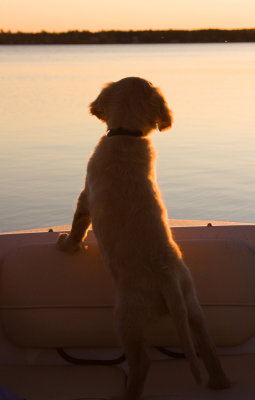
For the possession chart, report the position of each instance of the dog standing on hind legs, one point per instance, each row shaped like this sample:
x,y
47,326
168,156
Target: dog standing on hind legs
x,y
122,202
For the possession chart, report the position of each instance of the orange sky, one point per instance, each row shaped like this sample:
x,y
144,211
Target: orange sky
x,y
62,15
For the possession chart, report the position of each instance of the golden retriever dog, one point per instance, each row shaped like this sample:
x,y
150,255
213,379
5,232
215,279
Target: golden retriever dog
x,y
122,202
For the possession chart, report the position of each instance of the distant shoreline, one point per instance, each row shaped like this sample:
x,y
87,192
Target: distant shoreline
x,y
129,37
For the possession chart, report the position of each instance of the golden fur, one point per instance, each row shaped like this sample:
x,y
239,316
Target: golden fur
x,y
122,201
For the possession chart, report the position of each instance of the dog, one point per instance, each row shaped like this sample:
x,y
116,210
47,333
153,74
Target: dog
x,y
122,201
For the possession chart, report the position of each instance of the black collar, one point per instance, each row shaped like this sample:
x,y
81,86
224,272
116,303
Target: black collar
x,y
123,131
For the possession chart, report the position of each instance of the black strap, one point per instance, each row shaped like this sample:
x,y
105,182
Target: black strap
x,y
80,361
114,361
123,131
170,353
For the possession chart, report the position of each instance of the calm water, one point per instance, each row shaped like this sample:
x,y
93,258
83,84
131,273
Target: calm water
x,y
206,163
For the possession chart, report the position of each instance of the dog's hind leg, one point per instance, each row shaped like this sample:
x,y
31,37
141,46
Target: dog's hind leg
x,y
206,347
138,365
132,328
175,303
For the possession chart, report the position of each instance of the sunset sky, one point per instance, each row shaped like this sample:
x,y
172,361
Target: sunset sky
x,y
94,15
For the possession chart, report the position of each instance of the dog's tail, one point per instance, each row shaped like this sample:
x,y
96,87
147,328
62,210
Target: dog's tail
x,y
176,305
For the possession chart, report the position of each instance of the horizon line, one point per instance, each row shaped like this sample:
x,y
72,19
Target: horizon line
x,y
9,31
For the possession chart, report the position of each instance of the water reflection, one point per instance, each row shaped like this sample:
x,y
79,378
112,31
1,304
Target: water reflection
x,y
205,165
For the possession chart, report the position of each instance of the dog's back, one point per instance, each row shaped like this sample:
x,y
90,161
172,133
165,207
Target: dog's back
x,y
128,216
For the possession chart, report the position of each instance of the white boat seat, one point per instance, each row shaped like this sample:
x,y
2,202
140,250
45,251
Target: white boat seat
x,y
52,299
49,299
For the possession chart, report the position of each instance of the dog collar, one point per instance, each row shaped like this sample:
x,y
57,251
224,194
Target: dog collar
x,y
123,131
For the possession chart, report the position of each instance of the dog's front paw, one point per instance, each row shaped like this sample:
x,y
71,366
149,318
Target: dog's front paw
x,y
65,243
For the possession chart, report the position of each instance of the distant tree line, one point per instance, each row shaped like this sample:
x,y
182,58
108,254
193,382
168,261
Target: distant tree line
x,y
126,37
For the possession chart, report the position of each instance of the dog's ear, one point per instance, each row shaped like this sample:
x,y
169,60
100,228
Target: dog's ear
x,y
164,118
97,107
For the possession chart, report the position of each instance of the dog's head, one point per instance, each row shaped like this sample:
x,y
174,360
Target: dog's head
x,y
132,103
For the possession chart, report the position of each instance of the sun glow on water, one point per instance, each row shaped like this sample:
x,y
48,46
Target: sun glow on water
x,y
205,163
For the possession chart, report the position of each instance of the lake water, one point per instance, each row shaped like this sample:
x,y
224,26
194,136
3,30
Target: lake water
x,y
205,165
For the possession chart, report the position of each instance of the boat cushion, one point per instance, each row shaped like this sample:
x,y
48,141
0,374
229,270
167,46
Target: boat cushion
x,y
52,299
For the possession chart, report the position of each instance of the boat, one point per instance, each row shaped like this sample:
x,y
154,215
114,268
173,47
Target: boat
x,y
58,337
